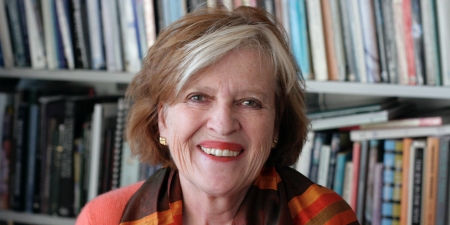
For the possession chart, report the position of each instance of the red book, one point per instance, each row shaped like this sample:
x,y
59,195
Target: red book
x,y
409,42
356,162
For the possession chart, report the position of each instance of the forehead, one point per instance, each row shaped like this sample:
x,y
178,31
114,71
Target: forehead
x,y
246,68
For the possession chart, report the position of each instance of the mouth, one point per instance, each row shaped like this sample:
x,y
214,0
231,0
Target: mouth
x,y
220,152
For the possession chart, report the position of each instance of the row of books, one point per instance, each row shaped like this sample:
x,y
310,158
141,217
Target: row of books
x,y
402,41
392,168
385,181
58,152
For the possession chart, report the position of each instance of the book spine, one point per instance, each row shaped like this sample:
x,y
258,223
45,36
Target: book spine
x,y
59,45
55,178
348,178
369,199
338,39
23,26
406,168
315,158
417,35
355,178
118,140
388,181
299,36
150,23
333,71
317,39
16,33
368,28
5,38
409,43
63,20
379,20
129,173
348,43
416,194
6,157
304,162
138,11
377,193
340,172
36,43
443,182
95,150
390,40
430,181
95,35
132,61
443,7
108,34
324,165
335,147
78,36
66,199
430,43
357,38
396,197
31,165
117,37
49,33
400,41
362,181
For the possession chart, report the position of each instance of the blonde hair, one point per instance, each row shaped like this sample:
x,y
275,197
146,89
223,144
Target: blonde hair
x,y
197,41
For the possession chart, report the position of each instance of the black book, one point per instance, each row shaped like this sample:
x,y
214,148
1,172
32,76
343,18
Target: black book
x,y
79,33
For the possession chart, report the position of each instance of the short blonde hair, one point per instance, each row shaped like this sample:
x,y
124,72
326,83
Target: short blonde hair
x,y
197,41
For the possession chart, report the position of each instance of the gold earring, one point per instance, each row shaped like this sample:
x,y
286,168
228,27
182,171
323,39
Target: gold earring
x,y
163,141
274,143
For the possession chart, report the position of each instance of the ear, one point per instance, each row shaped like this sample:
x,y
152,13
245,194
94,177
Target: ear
x,y
162,121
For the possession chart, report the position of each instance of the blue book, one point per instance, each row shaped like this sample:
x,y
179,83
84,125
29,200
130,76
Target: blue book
x,y
59,42
341,159
388,181
299,35
16,33
32,148
23,25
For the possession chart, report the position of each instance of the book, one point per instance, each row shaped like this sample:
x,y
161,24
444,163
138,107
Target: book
x,y
122,113
55,175
410,122
80,33
342,159
150,26
299,36
377,193
415,186
48,20
95,34
430,175
340,141
353,110
400,42
331,56
138,9
412,132
317,39
5,153
132,61
417,35
129,173
304,162
388,181
111,35
32,154
36,42
64,27
362,181
5,38
368,28
409,44
406,168
357,39
443,25
324,165
17,36
390,45
442,203
320,139
356,159
396,196
348,43
373,158
430,43
360,118
348,178
379,23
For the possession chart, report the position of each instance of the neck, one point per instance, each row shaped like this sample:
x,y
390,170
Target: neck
x,y
202,208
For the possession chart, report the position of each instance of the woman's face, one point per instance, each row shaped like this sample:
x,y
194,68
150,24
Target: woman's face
x,y
228,110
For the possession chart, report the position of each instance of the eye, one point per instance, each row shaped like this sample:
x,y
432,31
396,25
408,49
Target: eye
x,y
251,103
197,98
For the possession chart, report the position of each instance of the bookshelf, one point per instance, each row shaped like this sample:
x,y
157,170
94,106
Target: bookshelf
x,y
28,218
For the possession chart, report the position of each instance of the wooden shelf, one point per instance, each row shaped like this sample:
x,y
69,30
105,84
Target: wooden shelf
x,y
29,218
326,87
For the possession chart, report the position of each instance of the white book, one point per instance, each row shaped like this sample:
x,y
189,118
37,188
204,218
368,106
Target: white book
x,y
411,132
315,23
324,165
5,37
111,35
150,25
443,9
357,37
285,14
129,36
400,42
48,17
65,34
304,162
36,44
358,119
95,150
139,6
129,171
348,178
95,34
366,9
338,40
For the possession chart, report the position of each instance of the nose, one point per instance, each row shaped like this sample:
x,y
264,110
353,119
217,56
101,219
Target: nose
x,y
223,119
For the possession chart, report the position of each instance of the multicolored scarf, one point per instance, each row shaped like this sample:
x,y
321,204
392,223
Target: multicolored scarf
x,y
278,196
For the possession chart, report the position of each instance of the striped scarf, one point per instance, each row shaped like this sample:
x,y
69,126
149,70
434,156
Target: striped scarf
x,y
278,196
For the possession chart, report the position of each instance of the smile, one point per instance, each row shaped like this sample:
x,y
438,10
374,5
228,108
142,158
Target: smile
x,y
220,152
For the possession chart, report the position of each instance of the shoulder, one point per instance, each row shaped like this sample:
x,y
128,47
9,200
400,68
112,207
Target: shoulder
x,y
309,202
108,207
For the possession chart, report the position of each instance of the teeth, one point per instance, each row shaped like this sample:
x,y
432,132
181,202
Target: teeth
x,y
219,152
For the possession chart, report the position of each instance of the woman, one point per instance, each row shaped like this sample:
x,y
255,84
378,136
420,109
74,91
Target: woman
x,y
219,101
